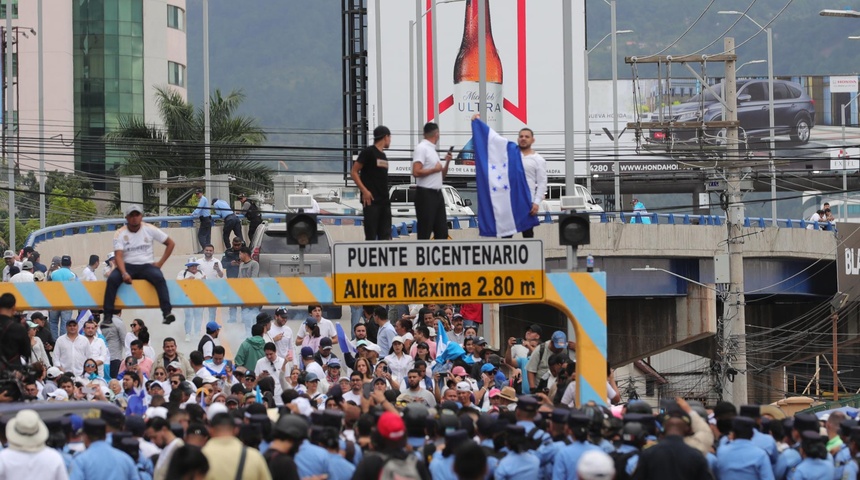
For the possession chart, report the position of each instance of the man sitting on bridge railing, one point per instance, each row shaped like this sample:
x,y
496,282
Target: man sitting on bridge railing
x,y
133,247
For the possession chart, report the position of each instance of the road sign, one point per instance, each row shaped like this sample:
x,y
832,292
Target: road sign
x,y
481,271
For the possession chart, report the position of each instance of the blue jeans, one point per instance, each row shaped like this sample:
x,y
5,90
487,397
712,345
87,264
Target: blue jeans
x,y
193,318
356,314
212,314
232,314
249,318
57,321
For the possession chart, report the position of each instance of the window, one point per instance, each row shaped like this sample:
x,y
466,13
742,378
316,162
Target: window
x,y
14,9
756,91
175,17
176,74
781,92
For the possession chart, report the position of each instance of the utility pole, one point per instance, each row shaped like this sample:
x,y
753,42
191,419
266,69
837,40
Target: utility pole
x,y
735,331
41,85
10,125
732,339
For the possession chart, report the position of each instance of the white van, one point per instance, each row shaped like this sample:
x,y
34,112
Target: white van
x,y
552,201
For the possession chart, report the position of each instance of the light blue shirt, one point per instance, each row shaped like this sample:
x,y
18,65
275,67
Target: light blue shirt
x,y
222,209
812,469
851,470
742,461
102,462
543,437
312,460
202,209
567,459
766,443
547,454
63,275
788,459
841,460
516,466
384,336
442,468
339,467
633,460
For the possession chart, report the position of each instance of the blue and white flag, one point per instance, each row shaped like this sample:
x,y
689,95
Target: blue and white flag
x,y
83,317
343,341
441,338
504,201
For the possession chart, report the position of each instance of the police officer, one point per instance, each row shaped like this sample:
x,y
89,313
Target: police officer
x,y
852,469
527,407
634,435
765,442
842,457
519,462
548,453
232,224
740,459
567,458
442,466
790,458
815,464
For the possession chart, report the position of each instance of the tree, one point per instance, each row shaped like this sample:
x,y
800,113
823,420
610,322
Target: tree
x,y
65,208
69,184
177,145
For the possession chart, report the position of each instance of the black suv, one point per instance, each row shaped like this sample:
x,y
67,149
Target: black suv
x,y
794,113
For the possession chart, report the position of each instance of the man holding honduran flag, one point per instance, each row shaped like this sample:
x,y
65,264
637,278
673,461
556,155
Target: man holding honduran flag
x,y
509,189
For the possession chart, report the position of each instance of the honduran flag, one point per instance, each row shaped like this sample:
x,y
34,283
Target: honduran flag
x,y
504,200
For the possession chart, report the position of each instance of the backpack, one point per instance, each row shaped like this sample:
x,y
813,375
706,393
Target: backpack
x,y
397,469
620,460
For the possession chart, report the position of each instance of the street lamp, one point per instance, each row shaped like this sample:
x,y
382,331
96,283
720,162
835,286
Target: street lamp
x,y
751,62
649,268
772,131
587,108
848,13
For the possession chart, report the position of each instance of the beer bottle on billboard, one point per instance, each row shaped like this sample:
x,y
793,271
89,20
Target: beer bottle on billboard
x,y
467,78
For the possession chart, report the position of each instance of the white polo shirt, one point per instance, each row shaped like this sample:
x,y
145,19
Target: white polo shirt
x,y
137,247
425,154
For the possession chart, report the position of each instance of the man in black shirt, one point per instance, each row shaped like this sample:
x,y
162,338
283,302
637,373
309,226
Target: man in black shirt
x,y
16,340
370,174
391,434
671,458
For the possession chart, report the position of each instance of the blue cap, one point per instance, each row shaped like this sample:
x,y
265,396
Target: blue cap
x,y
307,352
559,339
487,367
311,377
213,326
77,423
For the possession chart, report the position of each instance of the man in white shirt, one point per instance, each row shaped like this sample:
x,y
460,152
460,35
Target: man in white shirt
x,y
216,365
70,351
535,168
211,268
457,333
158,431
309,364
271,364
27,434
282,335
25,275
327,328
96,347
89,273
429,173
9,259
135,259
356,385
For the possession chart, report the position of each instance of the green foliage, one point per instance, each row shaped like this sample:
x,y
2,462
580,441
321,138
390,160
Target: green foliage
x,y
177,146
65,208
28,199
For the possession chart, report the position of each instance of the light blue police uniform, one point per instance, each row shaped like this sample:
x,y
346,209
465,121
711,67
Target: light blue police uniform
x,y
812,469
100,461
840,461
564,467
311,460
516,466
741,460
339,467
547,454
631,461
442,467
541,436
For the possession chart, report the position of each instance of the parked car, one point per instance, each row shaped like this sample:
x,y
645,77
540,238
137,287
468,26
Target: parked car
x,y
794,113
403,202
278,259
552,200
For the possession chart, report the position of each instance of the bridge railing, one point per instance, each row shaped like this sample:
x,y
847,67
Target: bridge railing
x,y
405,227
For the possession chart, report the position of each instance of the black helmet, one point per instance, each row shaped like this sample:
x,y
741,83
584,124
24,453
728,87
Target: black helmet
x,y
293,426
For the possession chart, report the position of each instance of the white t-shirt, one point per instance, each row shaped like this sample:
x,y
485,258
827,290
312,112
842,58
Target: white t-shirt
x,y
88,275
187,275
352,396
535,167
285,345
22,277
569,396
326,329
207,267
17,464
97,350
425,154
6,270
137,247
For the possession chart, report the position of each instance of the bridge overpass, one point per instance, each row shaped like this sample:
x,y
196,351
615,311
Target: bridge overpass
x,y
789,270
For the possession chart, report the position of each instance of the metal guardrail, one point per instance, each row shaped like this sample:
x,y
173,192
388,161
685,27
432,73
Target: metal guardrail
x,y
852,401
404,228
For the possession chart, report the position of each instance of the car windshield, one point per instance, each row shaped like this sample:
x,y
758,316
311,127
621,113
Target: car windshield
x,y
275,241
709,97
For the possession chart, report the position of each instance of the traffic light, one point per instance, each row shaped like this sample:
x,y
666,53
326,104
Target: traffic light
x,y
301,229
574,229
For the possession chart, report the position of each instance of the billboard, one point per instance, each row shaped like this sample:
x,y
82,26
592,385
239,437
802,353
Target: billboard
x,y
525,76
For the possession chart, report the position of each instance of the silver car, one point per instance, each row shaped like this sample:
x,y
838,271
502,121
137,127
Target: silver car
x,y
278,259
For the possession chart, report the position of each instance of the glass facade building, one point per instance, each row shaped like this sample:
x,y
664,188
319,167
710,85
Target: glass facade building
x,y
108,38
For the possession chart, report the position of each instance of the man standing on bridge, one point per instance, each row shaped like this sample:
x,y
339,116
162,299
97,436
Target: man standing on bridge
x,y
535,167
134,254
429,172
370,174
204,213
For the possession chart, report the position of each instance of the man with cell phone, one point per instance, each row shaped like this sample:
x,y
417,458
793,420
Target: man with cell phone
x,y
211,268
429,173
